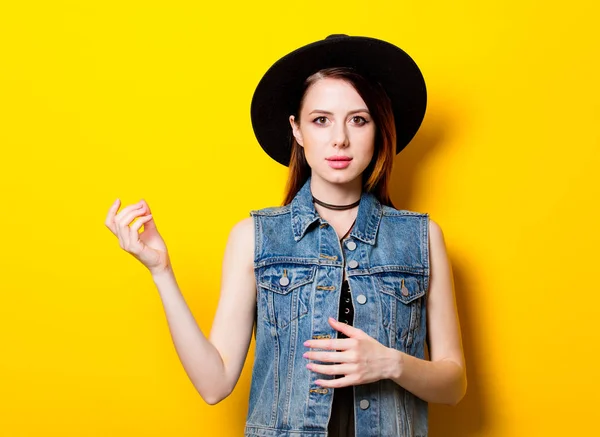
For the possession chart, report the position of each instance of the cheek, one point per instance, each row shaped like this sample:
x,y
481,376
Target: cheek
x,y
311,152
313,140
314,135
365,139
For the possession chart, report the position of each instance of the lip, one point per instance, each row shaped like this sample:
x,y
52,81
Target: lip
x,y
339,158
339,163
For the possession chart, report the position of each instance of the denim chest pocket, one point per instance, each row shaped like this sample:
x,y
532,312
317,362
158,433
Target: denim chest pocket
x,y
402,298
285,290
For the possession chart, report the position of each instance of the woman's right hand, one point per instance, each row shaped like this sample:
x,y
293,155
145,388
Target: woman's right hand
x,y
148,247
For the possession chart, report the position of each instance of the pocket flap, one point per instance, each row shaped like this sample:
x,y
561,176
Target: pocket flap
x,y
404,287
284,277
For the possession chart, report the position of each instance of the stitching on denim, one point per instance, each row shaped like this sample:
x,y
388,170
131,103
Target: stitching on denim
x,y
272,211
275,376
290,376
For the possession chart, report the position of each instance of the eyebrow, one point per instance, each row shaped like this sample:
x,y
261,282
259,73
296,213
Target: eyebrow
x,y
322,111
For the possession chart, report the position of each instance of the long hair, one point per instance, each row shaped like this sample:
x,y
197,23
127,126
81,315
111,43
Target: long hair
x,y
378,173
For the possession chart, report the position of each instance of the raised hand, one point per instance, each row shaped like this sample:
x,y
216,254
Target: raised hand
x,y
148,247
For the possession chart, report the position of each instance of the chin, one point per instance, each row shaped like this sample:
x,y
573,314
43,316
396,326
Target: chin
x,y
334,176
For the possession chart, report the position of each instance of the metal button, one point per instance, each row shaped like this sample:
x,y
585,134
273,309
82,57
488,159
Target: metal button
x,y
347,300
351,245
404,290
284,281
364,404
361,299
353,264
345,321
346,310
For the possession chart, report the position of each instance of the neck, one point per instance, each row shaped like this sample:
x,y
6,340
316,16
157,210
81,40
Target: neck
x,y
336,194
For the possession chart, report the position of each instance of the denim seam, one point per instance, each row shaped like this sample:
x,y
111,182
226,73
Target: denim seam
x,y
399,409
250,428
426,260
409,425
275,375
390,212
257,239
310,375
291,362
272,211
285,259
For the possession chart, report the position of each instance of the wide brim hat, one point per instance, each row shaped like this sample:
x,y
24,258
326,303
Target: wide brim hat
x,y
277,94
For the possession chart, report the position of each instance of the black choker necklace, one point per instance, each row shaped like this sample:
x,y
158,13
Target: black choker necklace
x,y
337,207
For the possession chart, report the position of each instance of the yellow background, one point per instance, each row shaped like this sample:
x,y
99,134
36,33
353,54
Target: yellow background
x,y
151,100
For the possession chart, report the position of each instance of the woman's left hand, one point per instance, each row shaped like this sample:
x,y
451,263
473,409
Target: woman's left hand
x,y
362,358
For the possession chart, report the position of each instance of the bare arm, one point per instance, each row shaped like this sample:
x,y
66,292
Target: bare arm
x,y
214,365
443,379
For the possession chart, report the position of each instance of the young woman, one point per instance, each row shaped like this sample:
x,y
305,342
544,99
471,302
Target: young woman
x,y
344,291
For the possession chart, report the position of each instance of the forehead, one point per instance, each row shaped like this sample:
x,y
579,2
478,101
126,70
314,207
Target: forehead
x,y
330,94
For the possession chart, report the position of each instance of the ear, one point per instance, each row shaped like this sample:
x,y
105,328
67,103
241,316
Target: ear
x,y
296,130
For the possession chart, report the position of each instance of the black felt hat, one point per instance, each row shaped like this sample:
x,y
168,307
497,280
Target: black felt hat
x,y
277,94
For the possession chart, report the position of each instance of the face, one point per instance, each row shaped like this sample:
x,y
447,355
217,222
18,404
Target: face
x,y
335,130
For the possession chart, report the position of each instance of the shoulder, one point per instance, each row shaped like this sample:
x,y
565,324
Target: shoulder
x,y
243,231
391,211
271,210
435,230
242,234
436,238
244,226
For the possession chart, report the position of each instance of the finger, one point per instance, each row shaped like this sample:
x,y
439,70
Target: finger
x,y
127,209
151,224
328,357
109,221
330,369
124,222
128,216
332,343
135,245
118,222
344,328
336,383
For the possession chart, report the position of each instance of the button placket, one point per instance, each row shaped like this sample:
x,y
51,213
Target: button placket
x,y
346,309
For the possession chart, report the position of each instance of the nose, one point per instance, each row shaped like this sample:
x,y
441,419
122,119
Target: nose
x,y
340,135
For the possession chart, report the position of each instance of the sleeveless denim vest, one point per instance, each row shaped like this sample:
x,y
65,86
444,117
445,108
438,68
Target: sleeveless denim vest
x,y
298,262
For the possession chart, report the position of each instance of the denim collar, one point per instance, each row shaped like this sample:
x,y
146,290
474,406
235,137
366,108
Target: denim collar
x,y
303,214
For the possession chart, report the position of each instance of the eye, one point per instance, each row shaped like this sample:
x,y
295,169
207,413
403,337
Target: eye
x,y
323,119
359,120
